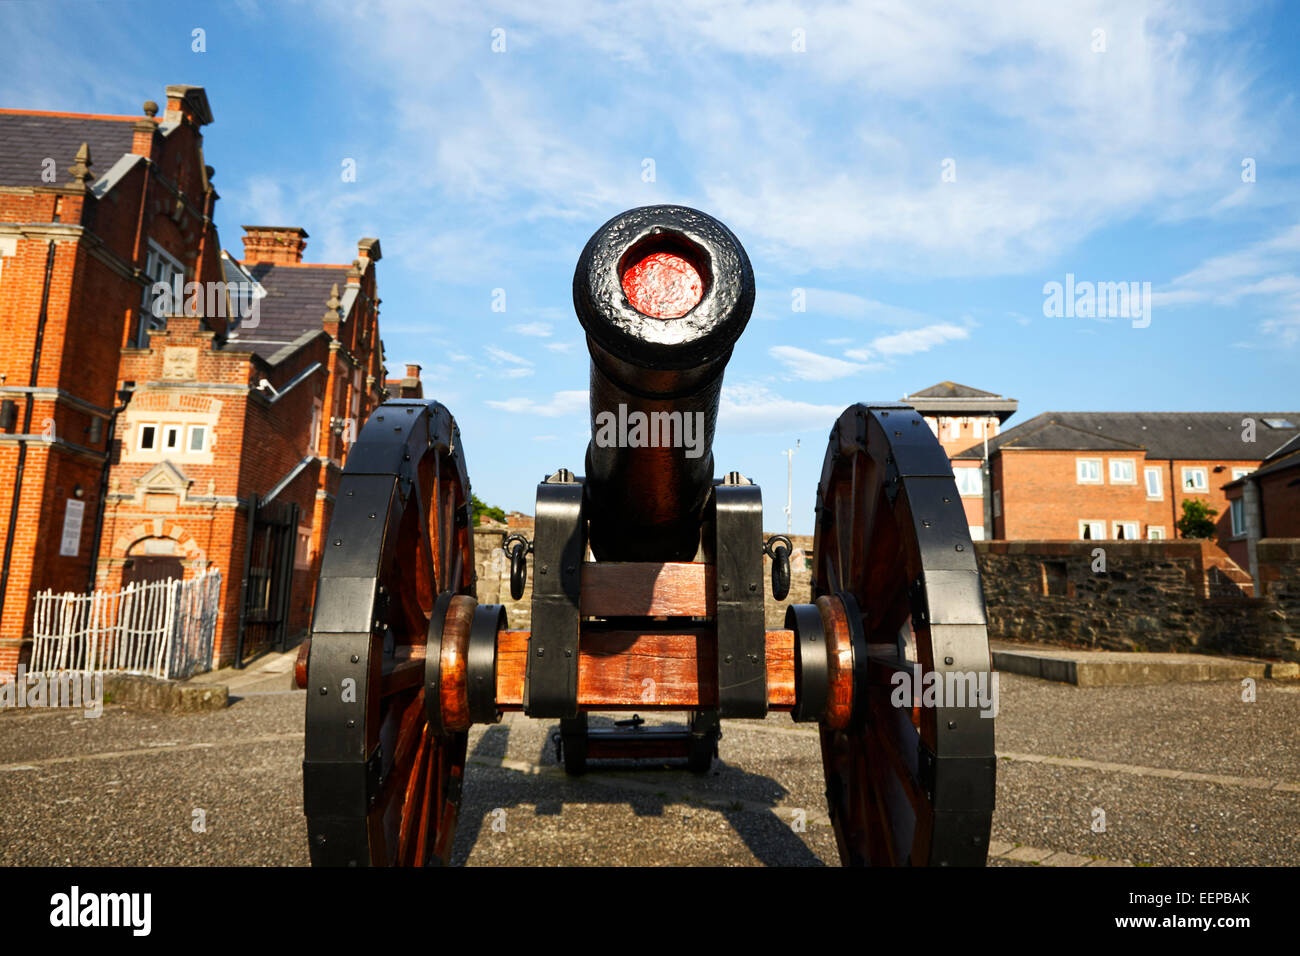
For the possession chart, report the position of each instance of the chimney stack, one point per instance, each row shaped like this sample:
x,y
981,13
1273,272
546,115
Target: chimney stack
x,y
280,245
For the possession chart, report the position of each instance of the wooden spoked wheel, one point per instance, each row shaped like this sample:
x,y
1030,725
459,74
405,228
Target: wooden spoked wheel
x,y
381,784
909,778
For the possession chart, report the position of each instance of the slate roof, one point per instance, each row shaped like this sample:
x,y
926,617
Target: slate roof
x,y
294,304
1212,436
26,139
1286,457
951,390
950,398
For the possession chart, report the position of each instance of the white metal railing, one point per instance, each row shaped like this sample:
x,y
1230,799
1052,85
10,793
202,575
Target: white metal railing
x,y
161,629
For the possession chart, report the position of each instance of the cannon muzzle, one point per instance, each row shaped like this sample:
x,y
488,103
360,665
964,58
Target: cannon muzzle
x,y
663,293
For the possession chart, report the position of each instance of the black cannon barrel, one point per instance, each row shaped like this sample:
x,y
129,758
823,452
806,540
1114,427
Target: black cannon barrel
x,y
663,293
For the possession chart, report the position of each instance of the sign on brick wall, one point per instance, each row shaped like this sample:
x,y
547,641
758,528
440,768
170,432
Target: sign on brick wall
x,y
72,516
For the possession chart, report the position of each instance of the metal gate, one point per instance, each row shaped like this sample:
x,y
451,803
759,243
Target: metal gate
x,y
268,577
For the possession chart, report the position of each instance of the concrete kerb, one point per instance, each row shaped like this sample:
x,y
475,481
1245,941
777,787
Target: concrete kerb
x,y
1115,668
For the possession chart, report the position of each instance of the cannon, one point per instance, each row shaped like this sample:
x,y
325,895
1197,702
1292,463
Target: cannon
x,y
648,592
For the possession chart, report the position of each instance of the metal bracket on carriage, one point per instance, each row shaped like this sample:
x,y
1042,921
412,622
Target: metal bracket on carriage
x,y
518,556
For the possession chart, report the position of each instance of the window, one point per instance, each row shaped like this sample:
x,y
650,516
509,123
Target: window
x,y
1237,508
1241,473
1195,479
1088,471
954,429
977,532
1123,471
198,438
313,439
1155,482
1277,423
977,428
934,426
970,483
147,438
160,266
1156,532
1125,530
302,552
171,438
8,247
1092,530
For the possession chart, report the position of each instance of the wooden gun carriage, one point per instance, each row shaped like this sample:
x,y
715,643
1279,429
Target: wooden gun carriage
x,y
648,591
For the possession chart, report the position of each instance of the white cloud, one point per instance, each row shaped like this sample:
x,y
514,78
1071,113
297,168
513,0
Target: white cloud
x,y
501,355
911,341
559,346
538,330
811,367
561,403
756,409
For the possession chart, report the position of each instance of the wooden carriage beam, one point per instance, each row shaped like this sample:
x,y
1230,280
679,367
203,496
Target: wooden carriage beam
x,y
631,670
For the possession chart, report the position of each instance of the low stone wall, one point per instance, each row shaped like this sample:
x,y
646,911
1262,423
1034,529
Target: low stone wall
x,y
494,577
1138,595
1150,596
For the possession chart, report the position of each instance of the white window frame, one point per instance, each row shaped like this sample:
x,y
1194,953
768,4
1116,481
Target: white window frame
x,y
1237,512
1135,526
977,532
1091,522
1160,483
1241,473
977,428
1204,473
1132,467
1155,532
934,426
156,444
190,431
954,429
1078,471
155,260
979,481
179,447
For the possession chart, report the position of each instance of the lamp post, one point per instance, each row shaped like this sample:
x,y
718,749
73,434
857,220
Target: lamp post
x,y
789,486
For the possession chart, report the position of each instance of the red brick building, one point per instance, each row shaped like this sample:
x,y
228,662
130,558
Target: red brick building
x,y
142,437
1265,504
959,415
1122,475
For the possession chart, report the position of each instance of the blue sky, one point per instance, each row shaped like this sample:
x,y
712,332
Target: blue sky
x,y
483,170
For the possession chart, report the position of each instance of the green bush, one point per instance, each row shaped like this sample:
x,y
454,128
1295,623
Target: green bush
x,y
1197,520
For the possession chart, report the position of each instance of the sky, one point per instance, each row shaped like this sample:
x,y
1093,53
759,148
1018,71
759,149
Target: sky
x,y
907,178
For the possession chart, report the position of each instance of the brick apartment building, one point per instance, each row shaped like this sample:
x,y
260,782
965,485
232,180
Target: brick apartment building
x,y
1264,504
1122,475
139,442
959,415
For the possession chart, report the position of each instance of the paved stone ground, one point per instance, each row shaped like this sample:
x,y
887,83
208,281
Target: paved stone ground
x,y
123,789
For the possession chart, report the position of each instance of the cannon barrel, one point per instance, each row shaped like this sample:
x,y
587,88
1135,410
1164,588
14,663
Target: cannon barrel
x,y
663,293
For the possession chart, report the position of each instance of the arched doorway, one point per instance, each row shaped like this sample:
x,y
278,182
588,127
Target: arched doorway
x,y
152,559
